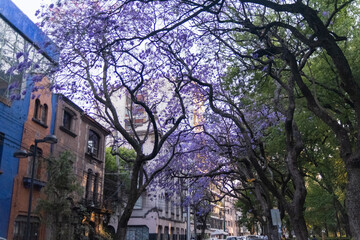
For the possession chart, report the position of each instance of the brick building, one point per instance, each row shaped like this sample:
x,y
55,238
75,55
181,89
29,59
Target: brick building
x,y
80,134
37,126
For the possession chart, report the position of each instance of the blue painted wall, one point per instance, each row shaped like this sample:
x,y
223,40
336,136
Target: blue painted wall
x,y
13,116
12,119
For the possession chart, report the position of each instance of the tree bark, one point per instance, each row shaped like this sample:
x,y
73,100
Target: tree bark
x,y
353,195
123,221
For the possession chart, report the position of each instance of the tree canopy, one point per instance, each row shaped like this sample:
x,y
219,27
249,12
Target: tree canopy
x,y
256,89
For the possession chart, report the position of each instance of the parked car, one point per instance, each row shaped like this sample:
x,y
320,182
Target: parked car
x,y
231,238
254,237
241,238
236,238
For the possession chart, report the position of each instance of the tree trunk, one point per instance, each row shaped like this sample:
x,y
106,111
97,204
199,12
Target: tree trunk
x,y
134,193
203,228
353,196
263,197
270,230
122,224
298,224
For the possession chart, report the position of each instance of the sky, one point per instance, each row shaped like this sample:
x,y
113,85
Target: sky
x,y
29,7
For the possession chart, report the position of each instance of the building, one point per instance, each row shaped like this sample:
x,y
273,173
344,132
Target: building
x,y
80,134
77,133
222,221
18,36
156,214
159,215
37,126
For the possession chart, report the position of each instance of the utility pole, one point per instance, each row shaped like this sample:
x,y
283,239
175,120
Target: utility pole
x,y
224,216
188,230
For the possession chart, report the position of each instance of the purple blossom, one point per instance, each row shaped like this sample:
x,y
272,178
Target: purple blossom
x,y
19,55
13,97
13,86
37,78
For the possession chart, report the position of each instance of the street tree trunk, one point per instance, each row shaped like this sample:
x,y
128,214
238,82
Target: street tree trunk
x,y
353,195
134,193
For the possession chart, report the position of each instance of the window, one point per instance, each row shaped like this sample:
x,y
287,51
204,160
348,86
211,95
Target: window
x,y
15,49
44,112
138,204
20,228
159,233
96,187
38,163
167,202
37,108
40,113
135,114
93,143
67,120
88,185
9,84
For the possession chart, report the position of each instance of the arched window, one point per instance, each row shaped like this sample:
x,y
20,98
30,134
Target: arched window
x,y
88,186
38,163
96,188
21,225
93,143
37,109
44,112
40,112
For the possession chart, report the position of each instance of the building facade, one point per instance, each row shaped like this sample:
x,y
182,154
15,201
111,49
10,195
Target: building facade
x,y
37,126
80,134
156,215
19,38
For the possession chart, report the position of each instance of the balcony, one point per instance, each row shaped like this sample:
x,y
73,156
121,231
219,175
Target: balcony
x,y
38,184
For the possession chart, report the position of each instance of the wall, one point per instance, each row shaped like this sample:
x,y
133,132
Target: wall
x,y
12,119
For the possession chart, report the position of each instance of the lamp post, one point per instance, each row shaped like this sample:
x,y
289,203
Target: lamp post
x,y
23,154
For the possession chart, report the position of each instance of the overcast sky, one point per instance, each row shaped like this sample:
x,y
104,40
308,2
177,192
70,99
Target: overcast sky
x,y
29,7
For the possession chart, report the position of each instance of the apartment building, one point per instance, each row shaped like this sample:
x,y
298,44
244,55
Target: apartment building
x,y
156,214
37,126
20,40
80,134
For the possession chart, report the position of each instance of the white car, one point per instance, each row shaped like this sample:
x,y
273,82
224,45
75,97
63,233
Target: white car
x,y
254,237
231,238
236,238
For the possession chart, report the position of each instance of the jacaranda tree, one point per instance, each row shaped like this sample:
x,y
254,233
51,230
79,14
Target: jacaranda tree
x,y
154,51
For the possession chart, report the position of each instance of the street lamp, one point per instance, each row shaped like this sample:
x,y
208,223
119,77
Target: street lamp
x,y
24,154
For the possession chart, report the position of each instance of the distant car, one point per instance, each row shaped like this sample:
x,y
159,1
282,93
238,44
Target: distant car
x,y
241,238
254,237
231,238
